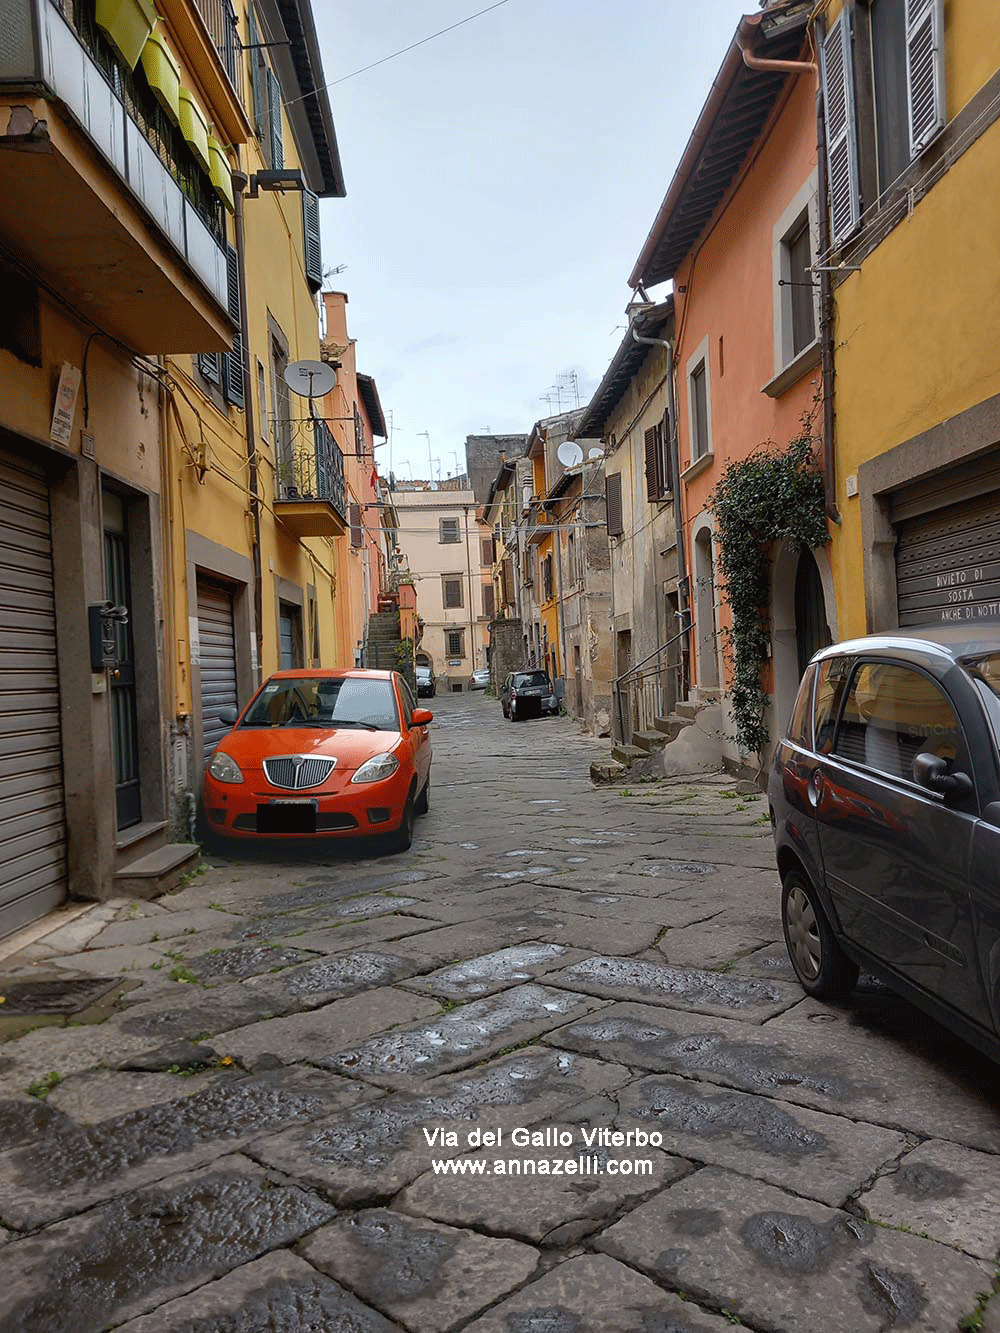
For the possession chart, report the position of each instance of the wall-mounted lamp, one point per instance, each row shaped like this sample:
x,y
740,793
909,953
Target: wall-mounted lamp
x,y
276,181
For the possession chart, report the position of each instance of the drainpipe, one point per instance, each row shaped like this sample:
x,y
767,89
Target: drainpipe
x,y
683,608
240,183
749,27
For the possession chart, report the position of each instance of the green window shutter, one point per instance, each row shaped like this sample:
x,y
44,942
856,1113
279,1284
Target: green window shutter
x,y
841,140
274,111
311,239
208,364
232,361
255,73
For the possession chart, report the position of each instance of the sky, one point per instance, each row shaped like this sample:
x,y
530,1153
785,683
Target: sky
x,y
501,180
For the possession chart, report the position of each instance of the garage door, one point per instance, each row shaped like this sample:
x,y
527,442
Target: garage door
x,y
217,648
32,817
948,564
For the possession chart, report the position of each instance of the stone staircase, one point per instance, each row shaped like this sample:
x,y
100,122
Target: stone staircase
x,y
146,865
675,746
382,644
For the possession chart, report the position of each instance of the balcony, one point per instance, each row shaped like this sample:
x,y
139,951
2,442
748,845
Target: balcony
x,y
312,496
208,31
131,234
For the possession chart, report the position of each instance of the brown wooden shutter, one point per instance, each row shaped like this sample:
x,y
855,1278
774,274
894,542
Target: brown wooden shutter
x,y
507,582
452,593
666,461
651,443
488,601
613,496
357,533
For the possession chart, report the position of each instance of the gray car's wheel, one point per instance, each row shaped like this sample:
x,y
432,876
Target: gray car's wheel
x,y
822,967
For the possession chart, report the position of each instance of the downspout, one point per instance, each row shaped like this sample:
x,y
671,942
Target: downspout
x,y
683,607
240,183
748,28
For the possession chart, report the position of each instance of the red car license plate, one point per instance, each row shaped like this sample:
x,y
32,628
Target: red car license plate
x,y
287,816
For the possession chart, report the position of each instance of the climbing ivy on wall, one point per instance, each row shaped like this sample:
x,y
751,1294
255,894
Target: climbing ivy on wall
x,y
771,495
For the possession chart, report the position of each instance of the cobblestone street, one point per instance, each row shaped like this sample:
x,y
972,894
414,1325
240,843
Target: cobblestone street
x,y
547,1072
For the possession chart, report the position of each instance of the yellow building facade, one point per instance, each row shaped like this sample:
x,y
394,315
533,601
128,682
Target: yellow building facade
x,y
169,504
916,275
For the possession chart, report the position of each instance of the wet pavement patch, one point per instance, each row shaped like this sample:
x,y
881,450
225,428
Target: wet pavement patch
x,y
626,978
133,1254
280,1293
343,974
53,995
428,1276
244,961
371,1151
468,1033
478,976
782,1262
70,1165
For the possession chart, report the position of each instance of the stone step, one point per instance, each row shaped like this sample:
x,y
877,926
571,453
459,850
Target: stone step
x,y
628,754
672,726
156,872
605,773
648,740
689,709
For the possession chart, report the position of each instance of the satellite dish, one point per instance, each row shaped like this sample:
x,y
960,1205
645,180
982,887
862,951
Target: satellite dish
x,y
596,453
432,485
569,453
310,379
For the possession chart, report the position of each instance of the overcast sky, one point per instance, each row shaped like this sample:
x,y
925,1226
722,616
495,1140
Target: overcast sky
x,y
501,180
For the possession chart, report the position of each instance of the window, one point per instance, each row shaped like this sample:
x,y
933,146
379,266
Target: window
x,y
448,530
547,589
20,327
488,551
262,400
455,640
613,496
831,681
357,530
896,51
802,307
655,441
488,602
311,244
232,361
799,725
208,365
290,636
893,713
700,441
451,591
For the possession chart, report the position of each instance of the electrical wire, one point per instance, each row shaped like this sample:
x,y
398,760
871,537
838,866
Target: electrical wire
x,y
401,52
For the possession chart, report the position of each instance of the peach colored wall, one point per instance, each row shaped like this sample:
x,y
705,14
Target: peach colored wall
x,y
730,300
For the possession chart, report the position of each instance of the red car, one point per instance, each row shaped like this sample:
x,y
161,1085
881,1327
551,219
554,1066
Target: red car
x,y
322,753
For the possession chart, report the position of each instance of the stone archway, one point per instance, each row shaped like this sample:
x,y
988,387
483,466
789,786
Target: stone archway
x,y
705,609
803,619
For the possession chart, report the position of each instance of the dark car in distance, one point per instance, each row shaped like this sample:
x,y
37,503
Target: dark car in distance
x,y
885,802
527,693
426,685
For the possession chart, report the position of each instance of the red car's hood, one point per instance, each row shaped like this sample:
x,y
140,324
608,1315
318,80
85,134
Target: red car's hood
x,y
350,746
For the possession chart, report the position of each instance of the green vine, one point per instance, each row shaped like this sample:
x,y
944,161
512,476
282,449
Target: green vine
x,y
771,495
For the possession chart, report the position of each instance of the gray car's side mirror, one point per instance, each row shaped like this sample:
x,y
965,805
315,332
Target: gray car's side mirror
x,y
931,771
228,715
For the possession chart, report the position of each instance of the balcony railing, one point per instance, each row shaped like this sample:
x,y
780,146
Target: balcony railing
x,y
314,470
221,21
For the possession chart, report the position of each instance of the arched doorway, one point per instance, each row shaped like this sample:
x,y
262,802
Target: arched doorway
x,y
811,629
706,622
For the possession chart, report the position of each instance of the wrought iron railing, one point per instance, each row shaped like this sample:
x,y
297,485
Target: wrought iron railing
x,y
221,21
649,690
314,470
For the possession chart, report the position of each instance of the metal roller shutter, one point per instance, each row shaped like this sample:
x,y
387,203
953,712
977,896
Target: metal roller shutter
x,y
217,648
948,564
32,813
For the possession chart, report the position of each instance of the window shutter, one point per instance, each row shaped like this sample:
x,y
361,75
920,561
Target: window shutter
x,y
255,70
651,442
232,361
274,117
666,466
208,364
507,582
311,239
613,495
357,535
841,139
488,600
924,71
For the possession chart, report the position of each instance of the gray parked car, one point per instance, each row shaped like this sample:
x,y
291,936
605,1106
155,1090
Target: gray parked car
x,y
885,802
527,693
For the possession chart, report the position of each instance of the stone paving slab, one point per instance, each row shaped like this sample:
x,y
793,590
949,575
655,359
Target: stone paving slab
x,y
491,972
165,926
438,946
533,895
577,931
73,1165
65,1050
333,977
429,1277
940,1190
820,1156
371,1152
786,1264
318,1035
716,943
360,934
124,960
279,1293
771,960
89,1097
841,1069
519,1196
595,1294
448,1041
125,1258
242,961
616,978
196,1012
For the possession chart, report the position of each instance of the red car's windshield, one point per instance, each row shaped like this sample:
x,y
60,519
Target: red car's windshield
x,y
323,701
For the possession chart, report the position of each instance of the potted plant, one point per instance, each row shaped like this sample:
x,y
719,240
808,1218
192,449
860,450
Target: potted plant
x,y
128,24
